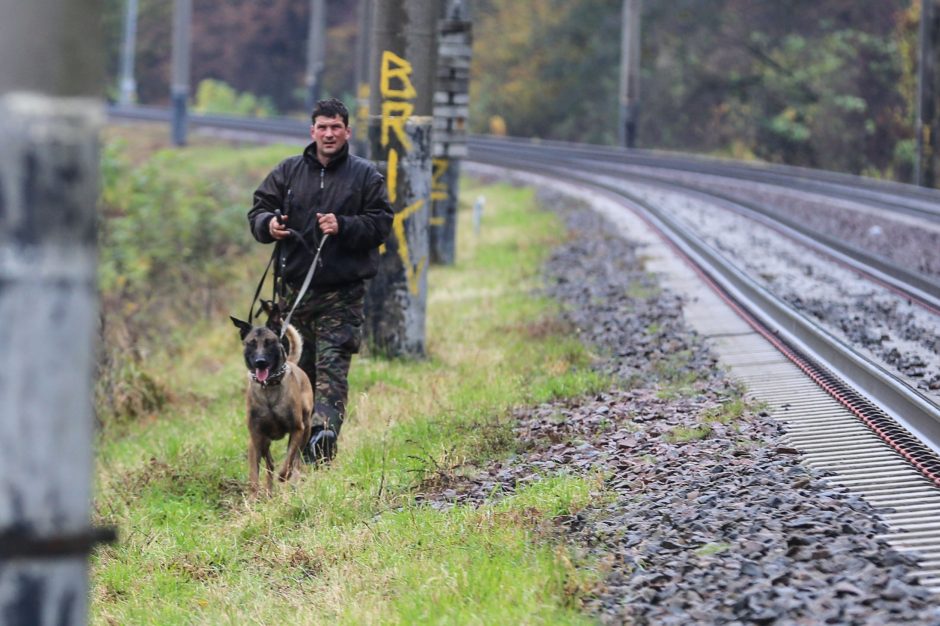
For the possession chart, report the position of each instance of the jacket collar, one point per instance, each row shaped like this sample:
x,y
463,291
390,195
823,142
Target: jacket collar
x,y
310,155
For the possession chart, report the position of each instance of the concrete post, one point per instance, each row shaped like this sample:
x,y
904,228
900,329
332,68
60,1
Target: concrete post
x,y
403,57
363,64
51,81
128,86
451,102
926,125
316,52
179,88
629,72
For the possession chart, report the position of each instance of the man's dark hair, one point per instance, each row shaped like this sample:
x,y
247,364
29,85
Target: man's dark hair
x,y
330,108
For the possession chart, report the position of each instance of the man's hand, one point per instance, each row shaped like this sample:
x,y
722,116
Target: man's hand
x,y
328,223
277,229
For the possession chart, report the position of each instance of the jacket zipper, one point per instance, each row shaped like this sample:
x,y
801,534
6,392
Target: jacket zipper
x,y
322,174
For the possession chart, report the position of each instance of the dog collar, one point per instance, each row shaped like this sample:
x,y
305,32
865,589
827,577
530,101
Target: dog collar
x,y
273,379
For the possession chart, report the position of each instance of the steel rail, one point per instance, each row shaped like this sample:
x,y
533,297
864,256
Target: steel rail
x,y
916,413
916,286
287,128
917,201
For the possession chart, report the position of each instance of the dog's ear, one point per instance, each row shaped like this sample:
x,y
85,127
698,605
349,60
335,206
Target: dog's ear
x,y
243,327
273,309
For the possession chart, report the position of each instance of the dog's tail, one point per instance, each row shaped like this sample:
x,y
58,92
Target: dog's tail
x,y
296,344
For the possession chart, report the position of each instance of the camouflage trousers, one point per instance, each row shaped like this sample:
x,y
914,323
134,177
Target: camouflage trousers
x,y
330,323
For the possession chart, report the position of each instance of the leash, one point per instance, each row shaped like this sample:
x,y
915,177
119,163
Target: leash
x,y
251,307
275,255
303,288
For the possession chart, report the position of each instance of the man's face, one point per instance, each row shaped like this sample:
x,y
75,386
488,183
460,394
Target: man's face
x,y
330,135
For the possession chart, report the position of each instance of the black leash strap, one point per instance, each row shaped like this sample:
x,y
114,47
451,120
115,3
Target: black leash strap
x,y
251,308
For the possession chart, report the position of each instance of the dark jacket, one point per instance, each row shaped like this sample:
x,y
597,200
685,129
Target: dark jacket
x,y
352,189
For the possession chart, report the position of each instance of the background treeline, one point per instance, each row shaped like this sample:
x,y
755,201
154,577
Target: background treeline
x,y
817,83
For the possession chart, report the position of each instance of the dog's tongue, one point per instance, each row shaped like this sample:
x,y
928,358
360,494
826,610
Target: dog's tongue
x,y
261,374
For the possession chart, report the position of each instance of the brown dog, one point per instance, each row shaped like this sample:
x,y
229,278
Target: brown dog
x,y
280,398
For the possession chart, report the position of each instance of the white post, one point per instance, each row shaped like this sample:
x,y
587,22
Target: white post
x,y
128,85
51,72
179,88
316,52
629,71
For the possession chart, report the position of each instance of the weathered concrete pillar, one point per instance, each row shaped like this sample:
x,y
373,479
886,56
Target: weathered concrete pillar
x,y
926,130
400,123
127,84
630,18
363,64
316,53
179,82
451,103
51,77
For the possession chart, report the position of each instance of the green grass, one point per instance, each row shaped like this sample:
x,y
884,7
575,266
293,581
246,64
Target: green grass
x,y
684,434
352,544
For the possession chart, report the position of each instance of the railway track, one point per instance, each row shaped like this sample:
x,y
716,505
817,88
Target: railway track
x,y
870,429
873,430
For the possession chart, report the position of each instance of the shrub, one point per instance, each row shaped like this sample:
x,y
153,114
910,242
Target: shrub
x,y
215,96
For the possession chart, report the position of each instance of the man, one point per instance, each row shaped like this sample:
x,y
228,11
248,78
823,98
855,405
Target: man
x,y
325,191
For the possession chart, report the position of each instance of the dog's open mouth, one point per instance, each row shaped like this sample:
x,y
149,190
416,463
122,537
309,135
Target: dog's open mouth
x,y
261,374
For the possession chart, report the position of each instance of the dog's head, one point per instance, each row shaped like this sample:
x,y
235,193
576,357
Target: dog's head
x,y
264,353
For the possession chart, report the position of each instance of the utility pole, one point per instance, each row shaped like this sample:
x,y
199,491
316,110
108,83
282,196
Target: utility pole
x,y
629,71
451,103
51,109
400,123
316,52
363,63
128,85
179,89
926,125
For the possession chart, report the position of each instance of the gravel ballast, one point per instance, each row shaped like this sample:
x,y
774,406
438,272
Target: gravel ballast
x,y
707,516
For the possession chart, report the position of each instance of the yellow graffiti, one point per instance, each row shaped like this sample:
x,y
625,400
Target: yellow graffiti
x,y
438,186
394,116
392,175
401,71
398,226
437,221
395,113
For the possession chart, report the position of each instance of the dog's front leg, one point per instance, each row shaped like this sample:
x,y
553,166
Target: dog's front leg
x,y
253,461
269,463
293,447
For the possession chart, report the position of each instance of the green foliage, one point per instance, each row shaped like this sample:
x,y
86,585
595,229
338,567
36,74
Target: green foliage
x,y
215,96
173,239
548,68
828,85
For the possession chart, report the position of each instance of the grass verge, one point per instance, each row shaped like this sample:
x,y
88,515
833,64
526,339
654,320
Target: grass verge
x,y
351,544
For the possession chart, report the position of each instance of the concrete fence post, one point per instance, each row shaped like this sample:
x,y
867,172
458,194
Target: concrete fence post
x,y
51,77
451,105
400,124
